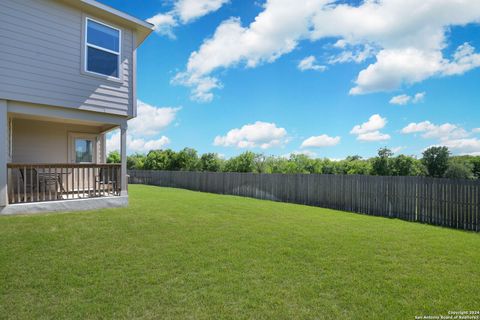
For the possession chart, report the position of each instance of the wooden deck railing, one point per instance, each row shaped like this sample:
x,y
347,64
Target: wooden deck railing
x,y
52,182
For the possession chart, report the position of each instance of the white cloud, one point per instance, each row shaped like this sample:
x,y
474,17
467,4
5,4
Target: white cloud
x,y
404,99
373,136
419,97
476,130
141,145
183,12
456,138
409,39
113,141
446,130
259,134
274,32
134,145
463,146
398,149
464,59
320,141
357,55
374,123
164,24
143,132
418,127
189,10
341,43
395,67
151,120
201,86
370,130
432,131
310,63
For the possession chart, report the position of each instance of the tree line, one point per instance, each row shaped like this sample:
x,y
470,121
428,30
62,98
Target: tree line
x,y
435,162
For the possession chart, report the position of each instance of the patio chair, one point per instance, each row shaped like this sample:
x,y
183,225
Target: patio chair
x,y
106,182
29,182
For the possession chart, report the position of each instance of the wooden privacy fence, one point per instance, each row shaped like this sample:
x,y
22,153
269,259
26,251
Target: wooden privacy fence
x,y
443,202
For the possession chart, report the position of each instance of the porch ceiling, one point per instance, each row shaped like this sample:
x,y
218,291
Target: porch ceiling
x,y
22,110
100,127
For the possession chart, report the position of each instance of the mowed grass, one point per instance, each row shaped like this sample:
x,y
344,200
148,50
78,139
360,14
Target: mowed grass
x,y
176,254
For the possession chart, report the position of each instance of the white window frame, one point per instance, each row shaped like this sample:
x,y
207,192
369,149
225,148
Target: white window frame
x,y
73,136
86,45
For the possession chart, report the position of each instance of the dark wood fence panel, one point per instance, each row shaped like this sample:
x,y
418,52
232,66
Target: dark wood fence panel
x,y
443,202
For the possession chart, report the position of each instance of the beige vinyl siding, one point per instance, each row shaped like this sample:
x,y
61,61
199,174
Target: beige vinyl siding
x,y
47,142
41,54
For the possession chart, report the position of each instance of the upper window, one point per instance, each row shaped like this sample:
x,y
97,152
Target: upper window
x,y
102,46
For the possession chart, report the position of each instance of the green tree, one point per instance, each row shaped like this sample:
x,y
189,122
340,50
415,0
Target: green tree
x,y
136,161
329,167
381,165
354,165
403,165
210,162
317,166
114,157
260,163
160,160
353,158
186,160
277,165
475,161
244,162
459,169
436,160
289,167
302,163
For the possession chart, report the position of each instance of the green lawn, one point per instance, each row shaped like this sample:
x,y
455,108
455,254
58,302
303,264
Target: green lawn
x,y
176,254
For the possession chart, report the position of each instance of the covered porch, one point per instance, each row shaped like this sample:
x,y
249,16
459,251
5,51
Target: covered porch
x,y
58,156
62,181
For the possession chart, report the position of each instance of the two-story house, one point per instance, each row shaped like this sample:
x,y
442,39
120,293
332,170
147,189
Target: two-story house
x,y
67,77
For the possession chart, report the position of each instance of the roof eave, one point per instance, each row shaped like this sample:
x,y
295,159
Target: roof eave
x,y
142,28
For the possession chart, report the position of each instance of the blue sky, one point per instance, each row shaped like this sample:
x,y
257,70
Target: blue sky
x,y
371,76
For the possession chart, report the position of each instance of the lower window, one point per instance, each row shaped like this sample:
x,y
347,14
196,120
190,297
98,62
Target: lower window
x,y
82,147
102,62
83,150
